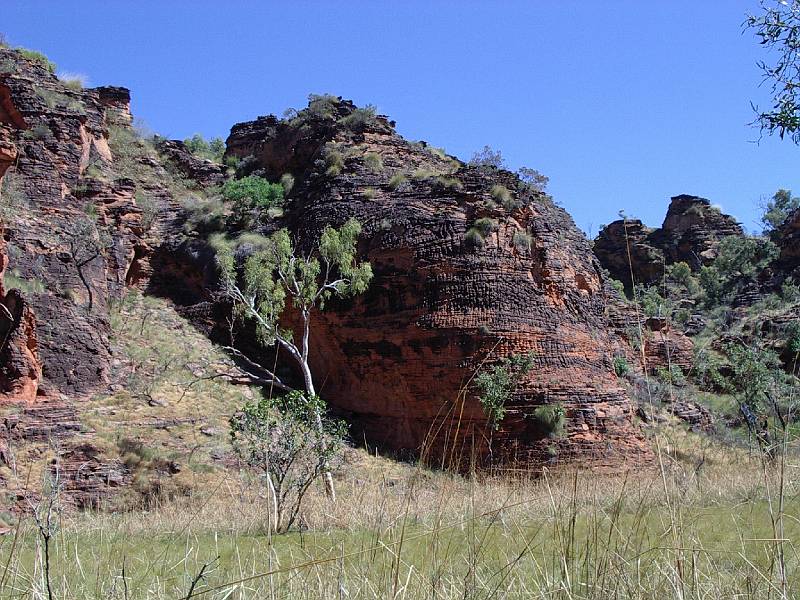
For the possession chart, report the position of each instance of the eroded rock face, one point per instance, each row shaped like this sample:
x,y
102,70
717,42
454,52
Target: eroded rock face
x,y
691,232
63,198
788,240
205,172
398,360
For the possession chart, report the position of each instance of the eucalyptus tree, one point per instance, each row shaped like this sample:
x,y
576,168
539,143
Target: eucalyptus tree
x,y
275,276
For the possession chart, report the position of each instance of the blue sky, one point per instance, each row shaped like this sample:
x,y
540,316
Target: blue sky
x,y
622,103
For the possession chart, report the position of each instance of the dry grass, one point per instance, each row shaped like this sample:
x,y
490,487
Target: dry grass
x,y
398,531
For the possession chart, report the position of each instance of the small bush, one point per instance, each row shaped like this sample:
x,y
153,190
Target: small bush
x,y
671,376
473,238
54,99
438,152
12,196
522,241
334,161
287,181
373,161
621,366
149,209
502,195
533,180
551,418
40,132
212,149
448,184
320,106
792,334
423,174
790,292
497,384
398,181
370,193
360,119
28,286
204,215
618,286
252,192
485,225
38,58
487,158
279,440
74,81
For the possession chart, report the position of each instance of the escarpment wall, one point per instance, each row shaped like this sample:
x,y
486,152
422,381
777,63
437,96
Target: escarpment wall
x,y
399,359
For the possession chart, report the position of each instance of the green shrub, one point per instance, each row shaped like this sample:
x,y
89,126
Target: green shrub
x,y
370,193
617,285
485,226
621,366
149,208
398,181
334,161
12,196
503,196
54,99
30,287
780,206
792,333
74,81
790,291
448,184
321,106
40,131
552,418
522,241
373,161
38,58
473,238
671,375
533,180
496,385
739,260
212,149
205,215
252,192
360,119
289,442
438,152
423,174
487,158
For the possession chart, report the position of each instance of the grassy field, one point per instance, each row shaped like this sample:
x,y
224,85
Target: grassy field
x,y
397,531
707,521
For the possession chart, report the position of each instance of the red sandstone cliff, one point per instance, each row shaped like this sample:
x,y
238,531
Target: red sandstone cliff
x,y
398,361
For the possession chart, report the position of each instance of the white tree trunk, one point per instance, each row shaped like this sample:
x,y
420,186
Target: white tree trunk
x,y
309,384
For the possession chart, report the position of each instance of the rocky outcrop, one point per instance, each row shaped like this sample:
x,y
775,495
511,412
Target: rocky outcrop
x,y
788,240
75,229
398,361
691,232
204,172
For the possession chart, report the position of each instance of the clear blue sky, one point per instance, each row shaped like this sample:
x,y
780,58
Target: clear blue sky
x,y
622,103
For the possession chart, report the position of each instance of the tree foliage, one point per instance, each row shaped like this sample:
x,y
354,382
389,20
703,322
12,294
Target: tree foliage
x,y
497,383
488,158
739,261
250,196
212,149
279,438
777,208
777,26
